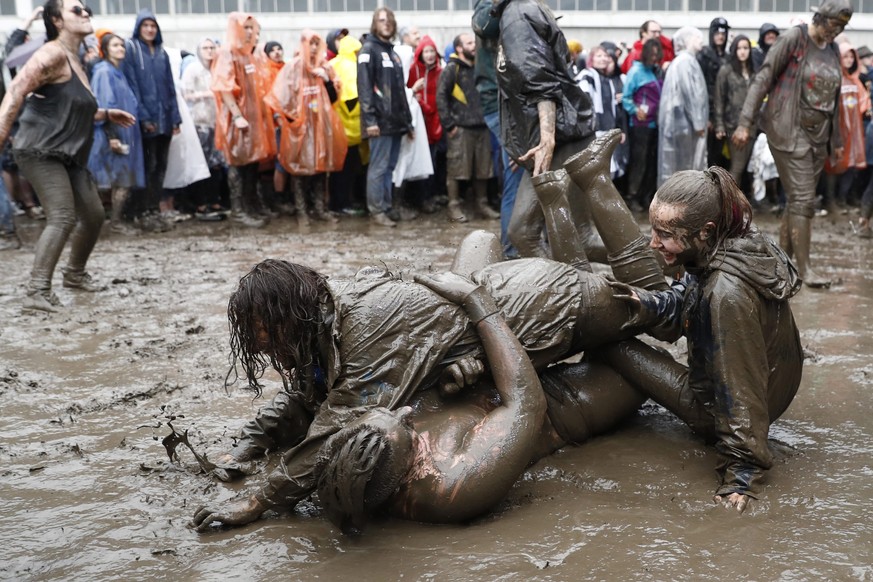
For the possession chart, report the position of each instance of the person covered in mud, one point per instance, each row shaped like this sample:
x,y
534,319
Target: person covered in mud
x,y
346,347
52,145
744,354
801,79
444,461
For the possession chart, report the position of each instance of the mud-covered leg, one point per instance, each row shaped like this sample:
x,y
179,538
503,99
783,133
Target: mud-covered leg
x,y
564,241
478,250
630,257
657,375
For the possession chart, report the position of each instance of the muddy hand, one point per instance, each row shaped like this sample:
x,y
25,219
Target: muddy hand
x,y
629,295
465,372
449,286
236,513
736,501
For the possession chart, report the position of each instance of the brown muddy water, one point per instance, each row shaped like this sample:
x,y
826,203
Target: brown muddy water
x,y
87,491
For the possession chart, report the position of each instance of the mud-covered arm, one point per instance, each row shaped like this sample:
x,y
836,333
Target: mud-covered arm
x,y
737,364
496,451
775,63
722,93
45,66
279,425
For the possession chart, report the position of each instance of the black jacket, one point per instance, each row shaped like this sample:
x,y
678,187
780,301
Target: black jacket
x,y
711,63
459,108
381,90
532,66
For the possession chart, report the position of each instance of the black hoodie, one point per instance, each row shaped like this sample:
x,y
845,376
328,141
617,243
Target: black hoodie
x,y
711,58
760,51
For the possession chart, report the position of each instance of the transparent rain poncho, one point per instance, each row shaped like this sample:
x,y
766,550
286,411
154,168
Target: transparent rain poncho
x,y
683,112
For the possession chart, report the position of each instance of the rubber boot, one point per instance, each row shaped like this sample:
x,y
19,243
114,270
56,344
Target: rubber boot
x,y
801,236
319,201
564,241
299,200
238,212
116,220
480,188
456,213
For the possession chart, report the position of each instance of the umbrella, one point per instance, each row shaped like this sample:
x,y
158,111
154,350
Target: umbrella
x,y
22,53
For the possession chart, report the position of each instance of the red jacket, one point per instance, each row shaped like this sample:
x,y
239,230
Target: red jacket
x,y
637,52
427,96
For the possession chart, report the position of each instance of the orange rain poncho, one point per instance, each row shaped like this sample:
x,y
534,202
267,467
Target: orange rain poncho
x,y
313,140
241,70
854,103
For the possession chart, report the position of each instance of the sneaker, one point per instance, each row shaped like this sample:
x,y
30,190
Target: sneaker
x,y
393,215
381,219
44,300
152,223
35,213
247,220
9,241
122,229
82,281
209,216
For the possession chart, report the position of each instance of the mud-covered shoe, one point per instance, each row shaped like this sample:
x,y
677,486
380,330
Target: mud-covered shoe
x,y
593,160
9,241
865,232
122,229
247,220
42,300
549,186
814,280
82,281
381,219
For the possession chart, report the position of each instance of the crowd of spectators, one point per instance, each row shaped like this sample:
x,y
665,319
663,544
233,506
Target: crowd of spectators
x,y
365,127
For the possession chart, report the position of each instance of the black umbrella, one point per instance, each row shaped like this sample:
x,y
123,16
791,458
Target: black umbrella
x,y
22,53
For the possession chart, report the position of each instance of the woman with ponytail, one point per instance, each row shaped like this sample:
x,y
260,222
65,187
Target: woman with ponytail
x,y
744,353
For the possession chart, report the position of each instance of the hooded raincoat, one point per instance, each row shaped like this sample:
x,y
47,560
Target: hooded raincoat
x,y
745,358
854,103
345,65
196,83
683,112
151,79
109,168
427,97
312,140
242,71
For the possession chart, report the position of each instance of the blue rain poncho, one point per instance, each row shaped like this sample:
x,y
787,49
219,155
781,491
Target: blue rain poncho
x,y
109,168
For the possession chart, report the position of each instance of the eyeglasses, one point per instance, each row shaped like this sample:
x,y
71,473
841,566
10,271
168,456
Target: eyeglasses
x,y
78,10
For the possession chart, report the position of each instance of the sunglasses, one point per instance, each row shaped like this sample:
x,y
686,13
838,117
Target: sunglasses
x,y
79,10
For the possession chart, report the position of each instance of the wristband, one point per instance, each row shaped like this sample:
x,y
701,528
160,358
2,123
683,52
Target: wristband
x,y
479,305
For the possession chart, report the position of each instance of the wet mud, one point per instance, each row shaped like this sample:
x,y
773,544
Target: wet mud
x,y
87,491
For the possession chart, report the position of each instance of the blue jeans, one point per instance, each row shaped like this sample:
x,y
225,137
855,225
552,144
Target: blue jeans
x,y
384,151
7,226
511,179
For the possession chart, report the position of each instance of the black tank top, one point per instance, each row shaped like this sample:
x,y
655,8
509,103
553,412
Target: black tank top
x,y
58,122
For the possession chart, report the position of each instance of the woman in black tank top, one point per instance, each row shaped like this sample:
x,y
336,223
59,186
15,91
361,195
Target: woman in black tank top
x,y
52,146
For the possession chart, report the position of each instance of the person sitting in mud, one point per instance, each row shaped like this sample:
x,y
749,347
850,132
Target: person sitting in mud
x,y
745,358
447,461
344,348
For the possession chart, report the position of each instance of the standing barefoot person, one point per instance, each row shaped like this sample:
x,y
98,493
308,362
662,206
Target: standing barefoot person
x,y
52,147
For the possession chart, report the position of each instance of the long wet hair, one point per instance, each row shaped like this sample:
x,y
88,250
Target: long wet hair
x,y
392,20
652,48
284,300
357,472
708,196
735,62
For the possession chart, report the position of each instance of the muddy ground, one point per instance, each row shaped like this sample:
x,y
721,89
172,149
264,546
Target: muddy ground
x,y
87,491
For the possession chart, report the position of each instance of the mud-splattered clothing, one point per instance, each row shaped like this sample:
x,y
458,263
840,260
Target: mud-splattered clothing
x,y
744,353
390,338
802,83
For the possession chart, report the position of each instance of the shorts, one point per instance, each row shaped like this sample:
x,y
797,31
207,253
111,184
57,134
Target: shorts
x,y
469,154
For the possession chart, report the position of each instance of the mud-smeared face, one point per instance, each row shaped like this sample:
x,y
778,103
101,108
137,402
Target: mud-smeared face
x,y
668,238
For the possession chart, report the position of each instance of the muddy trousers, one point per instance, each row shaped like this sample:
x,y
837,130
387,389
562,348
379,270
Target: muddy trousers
x,y
73,210
799,171
526,225
243,183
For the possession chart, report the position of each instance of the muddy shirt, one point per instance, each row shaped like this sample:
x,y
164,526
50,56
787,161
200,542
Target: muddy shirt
x,y
820,86
744,353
